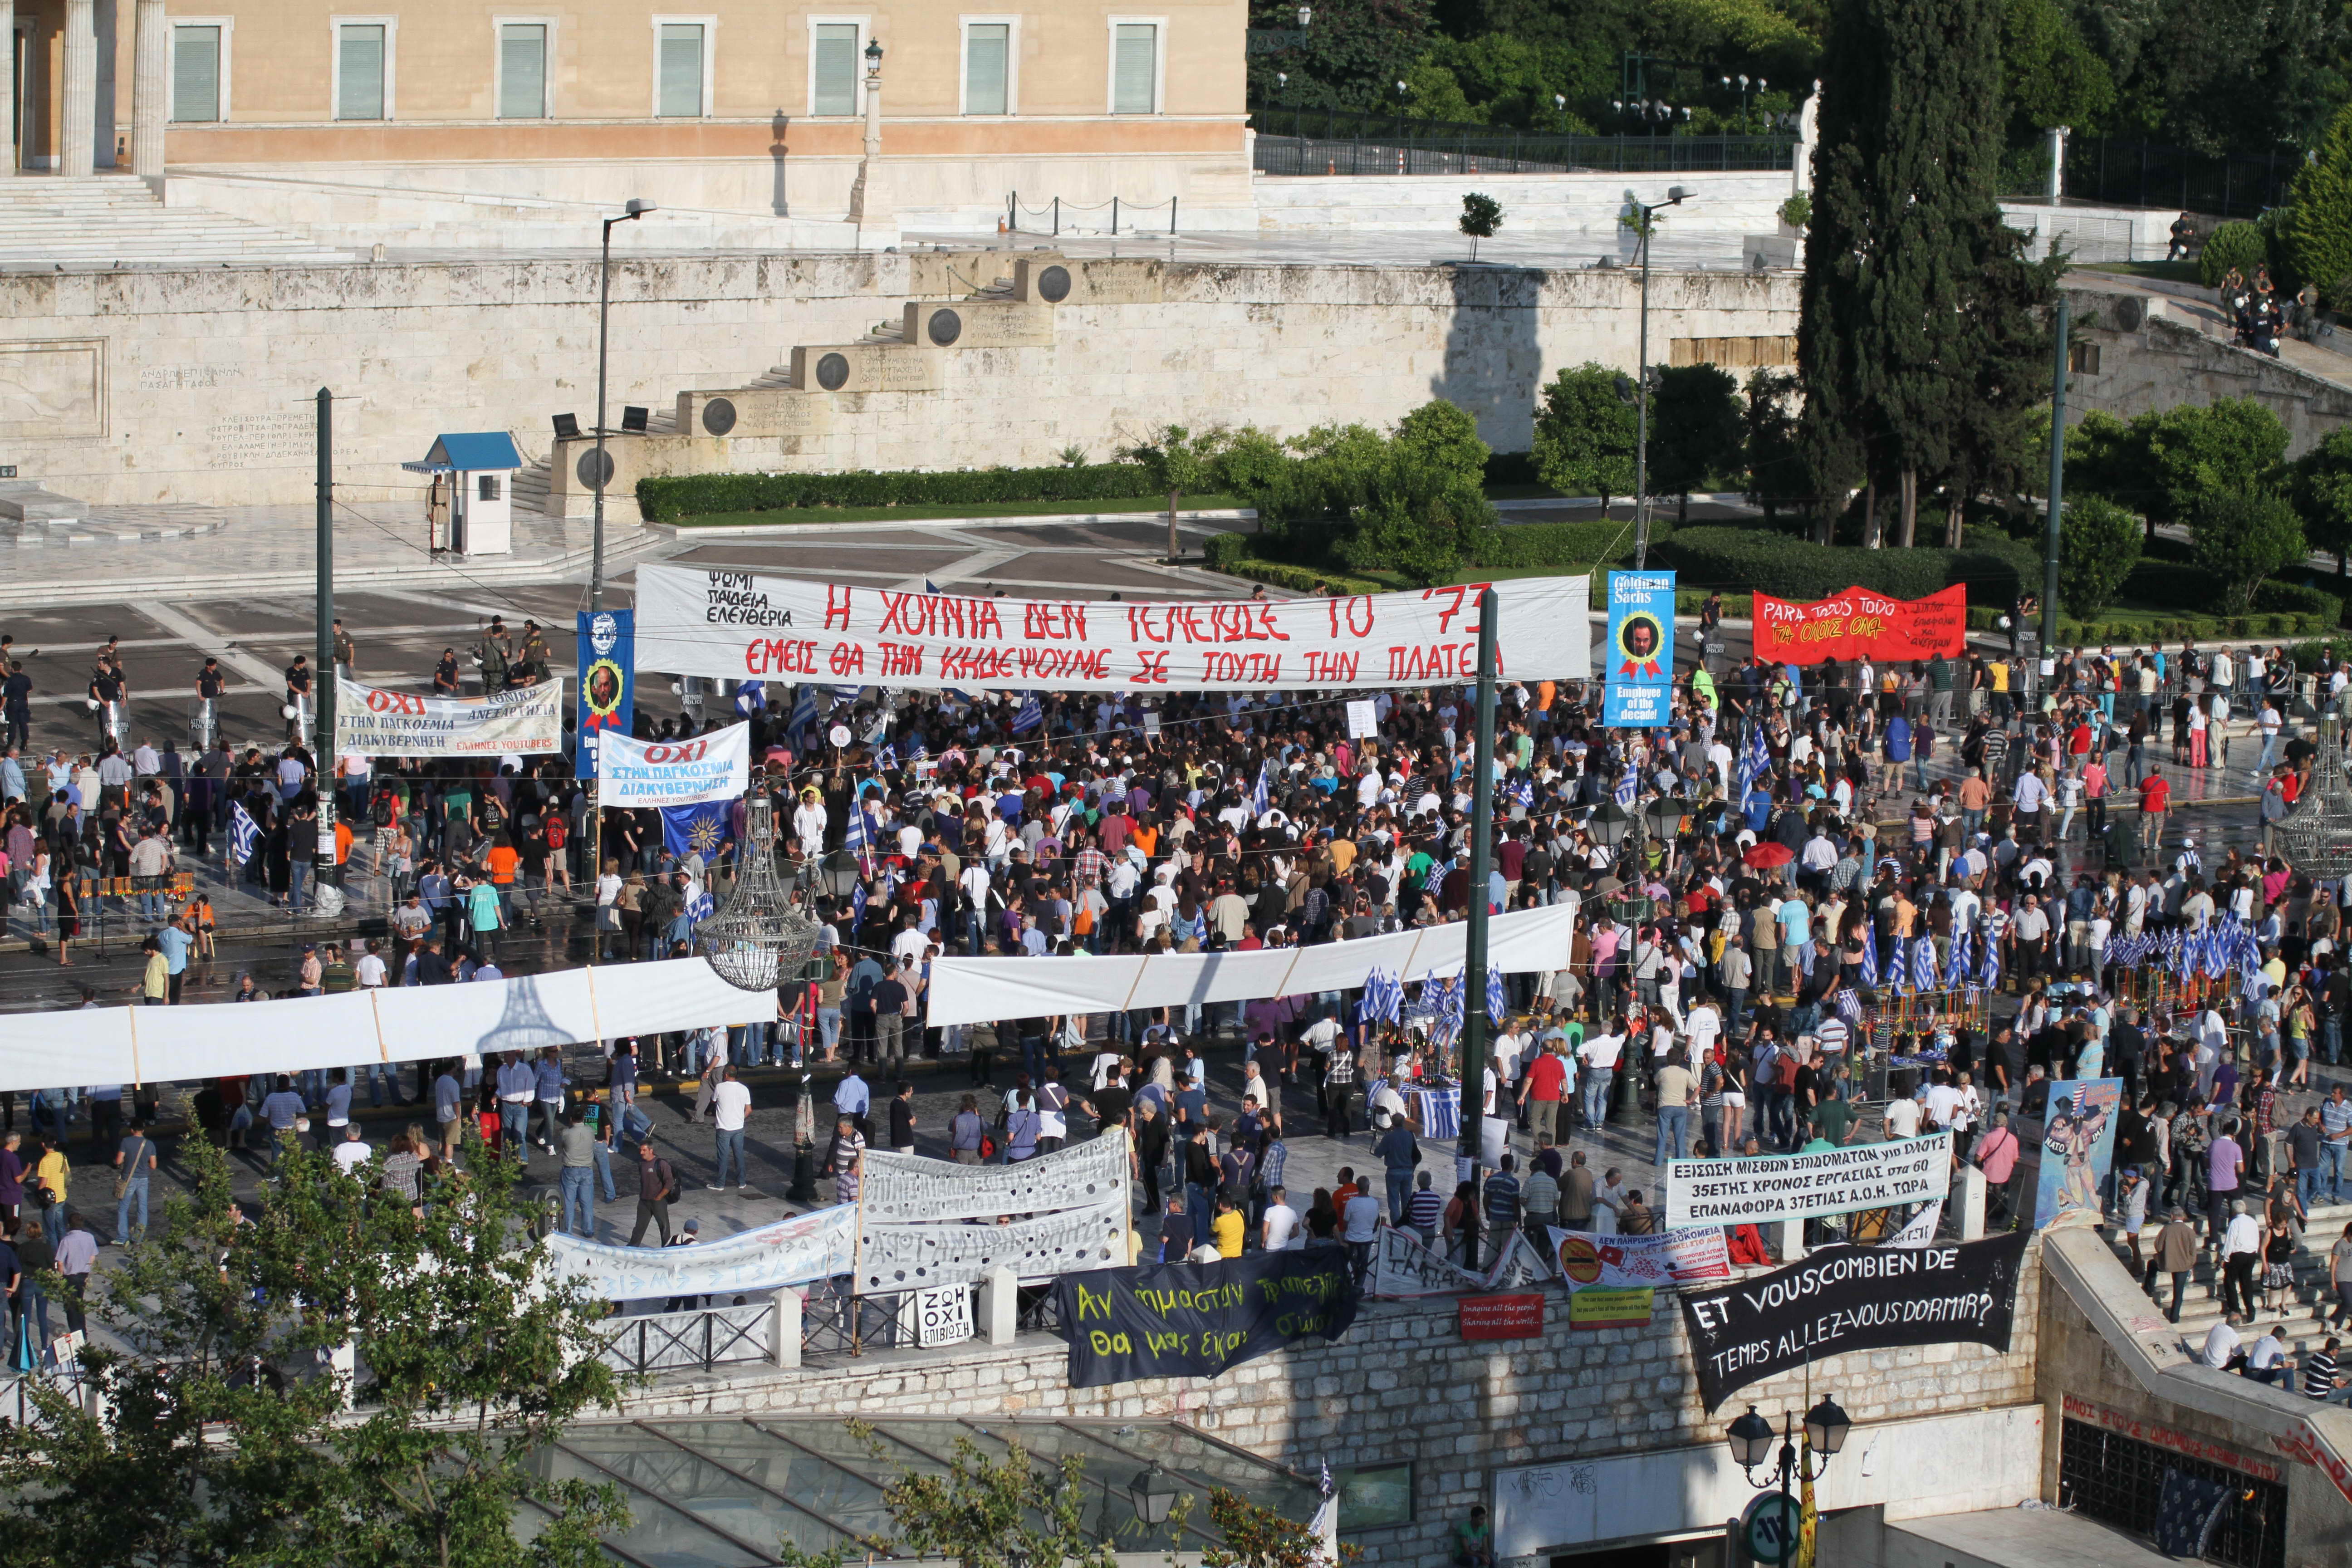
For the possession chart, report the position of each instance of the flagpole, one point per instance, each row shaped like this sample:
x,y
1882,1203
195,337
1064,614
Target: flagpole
x,y
1473,957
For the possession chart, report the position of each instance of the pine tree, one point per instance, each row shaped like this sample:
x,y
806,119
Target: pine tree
x,y
1905,256
2319,224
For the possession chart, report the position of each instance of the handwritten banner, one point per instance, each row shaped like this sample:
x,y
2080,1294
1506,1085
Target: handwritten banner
x,y
909,1189
1858,624
1852,1298
714,765
794,1251
735,625
1800,1186
1629,1262
373,722
1194,1320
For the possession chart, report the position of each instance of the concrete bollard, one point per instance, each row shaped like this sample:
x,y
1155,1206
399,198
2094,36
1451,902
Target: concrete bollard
x,y
1972,1204
784,1330
1000,1306
1788,1239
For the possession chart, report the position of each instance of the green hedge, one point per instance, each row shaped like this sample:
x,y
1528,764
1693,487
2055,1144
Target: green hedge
x,y
1729,558
2138,629
1282,574
694,495
1580,545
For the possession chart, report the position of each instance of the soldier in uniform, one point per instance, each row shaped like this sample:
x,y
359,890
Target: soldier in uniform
x,y
444,675
495,655
346,652
532,658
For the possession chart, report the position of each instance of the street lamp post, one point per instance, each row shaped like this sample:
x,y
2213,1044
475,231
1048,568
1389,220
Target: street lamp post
x,y
869,207
1750,1439
601,464
1675,197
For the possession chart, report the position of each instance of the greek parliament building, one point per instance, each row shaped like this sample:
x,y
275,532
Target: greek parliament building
x,y
754,109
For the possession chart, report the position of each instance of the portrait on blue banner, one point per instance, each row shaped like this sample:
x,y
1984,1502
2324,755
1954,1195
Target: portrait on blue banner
x,y
607,681
1639,671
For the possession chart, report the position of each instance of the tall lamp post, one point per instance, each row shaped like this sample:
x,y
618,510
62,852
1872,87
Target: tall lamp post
x,y
1474,1021
1675,197
869,204
602,464
1751,1438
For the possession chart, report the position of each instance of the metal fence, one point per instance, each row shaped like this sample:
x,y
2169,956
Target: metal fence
x,y
16,1394
703,1339
2104,171
1332,142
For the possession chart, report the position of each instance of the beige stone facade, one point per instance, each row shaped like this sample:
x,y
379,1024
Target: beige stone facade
x,y
483,94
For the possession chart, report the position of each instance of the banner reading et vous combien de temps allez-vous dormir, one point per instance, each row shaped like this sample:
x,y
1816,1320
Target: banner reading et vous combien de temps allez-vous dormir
x,y
371,721
713,765
1858,624
736,626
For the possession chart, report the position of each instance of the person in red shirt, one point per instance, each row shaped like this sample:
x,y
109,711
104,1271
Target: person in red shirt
x,y
2155,796
1541,1090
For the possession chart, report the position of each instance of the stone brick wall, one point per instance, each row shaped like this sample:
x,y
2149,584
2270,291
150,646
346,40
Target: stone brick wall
x,y
191,385
1403,1385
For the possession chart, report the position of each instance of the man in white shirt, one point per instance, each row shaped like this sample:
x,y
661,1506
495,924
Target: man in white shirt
x,y
729,1104
1599,1054
2221,1346
2267,1362
1704,1026
1902,1119
351,1152
1280,1231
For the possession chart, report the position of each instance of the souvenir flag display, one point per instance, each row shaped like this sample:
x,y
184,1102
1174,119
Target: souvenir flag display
x,y
1383,999
1923,963
1956,973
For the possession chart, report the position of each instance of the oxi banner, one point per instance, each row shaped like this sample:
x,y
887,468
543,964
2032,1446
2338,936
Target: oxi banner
x,y
1858,624
732,625
374,722
713,765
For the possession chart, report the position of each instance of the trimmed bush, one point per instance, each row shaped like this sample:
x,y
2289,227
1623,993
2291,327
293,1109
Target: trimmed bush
x,y
1298,579
2238,245
696,495
1580,546
1993,569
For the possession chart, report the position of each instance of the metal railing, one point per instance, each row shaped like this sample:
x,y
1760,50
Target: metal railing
x,y
17,1405
1089,217
704,1338
1333,141
2105,171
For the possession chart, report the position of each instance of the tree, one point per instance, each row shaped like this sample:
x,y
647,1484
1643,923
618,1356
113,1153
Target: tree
x,y
1178,462
2318,227
1694,430
1776,468
2238,246
1011,1512
1425,510
1351,58
2323,494
1584,434
2232,443
1482,214
1258,1537
223,1439
1906,253
2098,545
2241,535
2049,74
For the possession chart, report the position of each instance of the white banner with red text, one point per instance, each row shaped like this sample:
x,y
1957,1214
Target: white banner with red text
x,y
371,721
736,625
713,765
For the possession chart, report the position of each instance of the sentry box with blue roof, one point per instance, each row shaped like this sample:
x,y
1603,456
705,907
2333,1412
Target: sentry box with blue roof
x,y
471,504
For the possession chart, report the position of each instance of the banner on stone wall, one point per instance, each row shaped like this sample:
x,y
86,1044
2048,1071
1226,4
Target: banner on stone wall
x,y
736,625
371,721
795,1251
1860,624
1194,1320
1628,1262
713,765
1852,1298
1801,1187
923,1224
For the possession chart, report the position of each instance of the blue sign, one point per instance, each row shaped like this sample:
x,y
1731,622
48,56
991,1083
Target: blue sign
x,y
608,680
1639,678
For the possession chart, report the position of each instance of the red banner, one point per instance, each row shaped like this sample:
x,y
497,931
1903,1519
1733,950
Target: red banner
x,y
1501,1317
1860,624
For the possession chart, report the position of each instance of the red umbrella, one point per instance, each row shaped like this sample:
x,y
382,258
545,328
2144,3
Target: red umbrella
x,y
1767,855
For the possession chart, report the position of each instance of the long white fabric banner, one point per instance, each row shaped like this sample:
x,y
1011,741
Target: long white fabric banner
x,y
411,1023
971,990
373,722
735,625
1801,1186
794,1251
714,765
923,1224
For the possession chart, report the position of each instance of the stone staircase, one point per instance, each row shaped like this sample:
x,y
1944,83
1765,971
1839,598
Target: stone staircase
x,y
2307,1302
109,221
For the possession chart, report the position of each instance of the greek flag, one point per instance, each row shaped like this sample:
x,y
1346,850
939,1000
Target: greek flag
x,y
856,911
1923,963
803,711
1030,717
701,907
1383,999
244,834
1989,971
847,693
1956,973
860,833
750,697
1260,801
1756,760
888,758
1496,1004
1520,792
1870,955
1628,782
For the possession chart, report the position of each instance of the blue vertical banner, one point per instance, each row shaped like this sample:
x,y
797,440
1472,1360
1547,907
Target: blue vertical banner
x,y
608,680
1639,672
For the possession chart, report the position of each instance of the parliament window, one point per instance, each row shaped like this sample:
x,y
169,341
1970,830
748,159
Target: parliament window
x,y
681,64
834,65
196,72
988,67
1135,68
364,70
523,70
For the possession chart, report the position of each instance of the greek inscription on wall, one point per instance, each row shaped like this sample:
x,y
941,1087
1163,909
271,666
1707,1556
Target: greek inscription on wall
x,y
187,378
279,439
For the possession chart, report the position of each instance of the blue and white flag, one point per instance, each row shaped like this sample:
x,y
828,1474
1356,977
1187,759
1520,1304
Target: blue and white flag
x,y
1628,783
1756,761
1870,955
1383,999
1990,970
1923,963
701,907
1496,1004
698,829
243,833
859,835
1260,800
804,713
856,910
1956,973
1030,717
751,696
